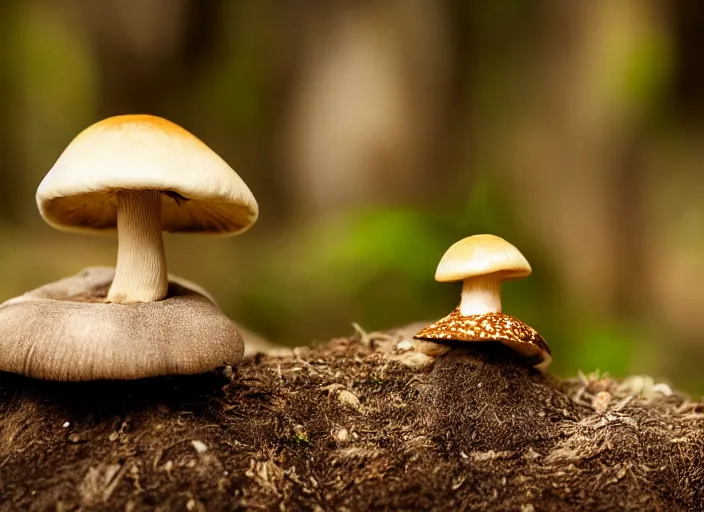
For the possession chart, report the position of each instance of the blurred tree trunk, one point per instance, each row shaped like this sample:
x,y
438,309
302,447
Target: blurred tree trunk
x,y
367,106
677,191
9,176
575,165
149,52
688,36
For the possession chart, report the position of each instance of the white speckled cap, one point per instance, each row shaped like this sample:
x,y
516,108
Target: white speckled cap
x,y
201,192
481,255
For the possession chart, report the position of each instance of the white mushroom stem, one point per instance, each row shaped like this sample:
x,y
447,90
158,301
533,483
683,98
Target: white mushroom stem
x,y
140,275
481,295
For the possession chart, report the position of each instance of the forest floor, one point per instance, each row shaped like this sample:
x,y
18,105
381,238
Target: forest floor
x,y
355,424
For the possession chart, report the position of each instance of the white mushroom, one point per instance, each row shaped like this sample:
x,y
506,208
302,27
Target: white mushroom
x,y
482,263
143,174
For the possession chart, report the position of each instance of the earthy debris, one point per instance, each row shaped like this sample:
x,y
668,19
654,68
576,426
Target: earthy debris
x,y
348,427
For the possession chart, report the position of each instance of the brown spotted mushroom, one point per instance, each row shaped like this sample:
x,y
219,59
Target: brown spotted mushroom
x,y
142,175
482,263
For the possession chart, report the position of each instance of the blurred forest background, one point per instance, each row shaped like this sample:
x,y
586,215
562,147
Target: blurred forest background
x,y
375,134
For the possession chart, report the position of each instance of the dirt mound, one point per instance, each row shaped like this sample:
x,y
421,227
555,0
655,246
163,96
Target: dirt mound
x,y
348,426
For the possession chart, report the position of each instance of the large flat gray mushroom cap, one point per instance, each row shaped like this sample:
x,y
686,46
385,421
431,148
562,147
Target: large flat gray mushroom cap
x,y
64,331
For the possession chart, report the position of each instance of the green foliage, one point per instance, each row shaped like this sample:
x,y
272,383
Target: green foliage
x,y
378,380
301,438
603,347
648,70
54,69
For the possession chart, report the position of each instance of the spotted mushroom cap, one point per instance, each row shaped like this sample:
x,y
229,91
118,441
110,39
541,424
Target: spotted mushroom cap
x,y
479,255
500,327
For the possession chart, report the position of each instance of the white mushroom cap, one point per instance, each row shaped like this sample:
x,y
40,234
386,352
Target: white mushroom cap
x,y
480,255
139,153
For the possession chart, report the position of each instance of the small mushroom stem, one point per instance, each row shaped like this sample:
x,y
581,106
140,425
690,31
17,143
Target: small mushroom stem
x,y
140,274
481,295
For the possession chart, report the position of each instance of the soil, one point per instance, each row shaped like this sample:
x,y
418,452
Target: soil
x,y
355,424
